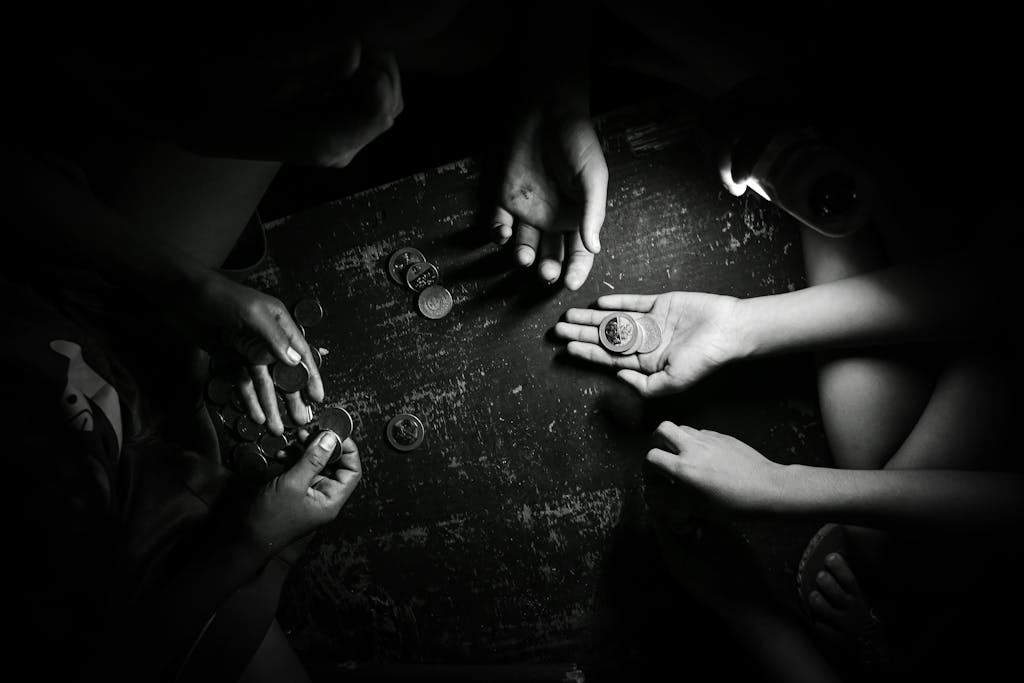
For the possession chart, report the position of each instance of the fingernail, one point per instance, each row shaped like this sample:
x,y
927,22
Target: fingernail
x,y
293,355
309,413
328,441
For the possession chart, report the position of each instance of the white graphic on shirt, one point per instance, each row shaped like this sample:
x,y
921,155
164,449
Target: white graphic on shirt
x,y
85,383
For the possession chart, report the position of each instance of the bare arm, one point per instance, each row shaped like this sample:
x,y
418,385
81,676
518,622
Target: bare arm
x,y
940,300
723,472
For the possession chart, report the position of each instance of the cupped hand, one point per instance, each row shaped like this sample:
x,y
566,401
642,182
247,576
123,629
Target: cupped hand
x,y
259,331
553,195
303,498
698,334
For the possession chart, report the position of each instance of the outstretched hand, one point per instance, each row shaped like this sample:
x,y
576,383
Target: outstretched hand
x,y
553,194
718,471
697,335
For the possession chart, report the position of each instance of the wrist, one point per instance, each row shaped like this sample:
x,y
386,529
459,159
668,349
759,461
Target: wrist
x,y
743,330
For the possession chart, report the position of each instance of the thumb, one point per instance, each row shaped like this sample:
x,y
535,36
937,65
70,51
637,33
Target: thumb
x,y
313,460
594,178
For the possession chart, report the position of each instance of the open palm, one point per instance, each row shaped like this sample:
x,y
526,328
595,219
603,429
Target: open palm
x,y
696,338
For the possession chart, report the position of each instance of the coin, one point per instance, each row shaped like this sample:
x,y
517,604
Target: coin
x,y
421,275
618,332
435,302
335,419
218,391
228,415
248,429
308,312
318,358
651,334
405,432
236,400
272,444
286,416
400,262
249,460
290,378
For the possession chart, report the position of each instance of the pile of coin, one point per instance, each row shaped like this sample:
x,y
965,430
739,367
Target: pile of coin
x,y
624,334
409,268
249,447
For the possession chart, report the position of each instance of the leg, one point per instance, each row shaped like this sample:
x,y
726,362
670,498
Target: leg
x,y
869,403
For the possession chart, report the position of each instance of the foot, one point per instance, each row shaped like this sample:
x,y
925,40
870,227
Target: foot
x,y
836,605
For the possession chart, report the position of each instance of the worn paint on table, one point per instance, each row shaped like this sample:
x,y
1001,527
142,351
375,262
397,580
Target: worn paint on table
x,y
491,543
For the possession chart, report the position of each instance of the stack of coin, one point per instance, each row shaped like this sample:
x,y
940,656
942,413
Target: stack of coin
x,y
623,334
409,267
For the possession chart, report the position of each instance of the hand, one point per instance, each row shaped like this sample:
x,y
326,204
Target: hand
x,y
720,470
301,500
259,329
553,194
322,107
697,335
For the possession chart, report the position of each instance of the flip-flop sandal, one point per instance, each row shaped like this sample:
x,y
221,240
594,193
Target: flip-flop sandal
x,y
871,651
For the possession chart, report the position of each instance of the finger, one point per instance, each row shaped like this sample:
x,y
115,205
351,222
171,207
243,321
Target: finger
x,y
647,385
594,178
331,488
349,459
595,354
267,396
580,261
671,434
552,251
501,226
836,564
300,412
640,303
296,349
313,460
663,460
822,610
249,399
527,239
832,591
581,333
585,316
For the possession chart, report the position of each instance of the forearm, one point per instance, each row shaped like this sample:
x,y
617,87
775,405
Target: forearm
x,y
902,304
915,500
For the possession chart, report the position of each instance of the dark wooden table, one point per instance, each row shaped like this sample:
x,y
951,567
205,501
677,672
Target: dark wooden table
x,y
516,538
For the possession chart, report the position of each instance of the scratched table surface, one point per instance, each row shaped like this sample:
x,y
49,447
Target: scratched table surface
x,y
517,535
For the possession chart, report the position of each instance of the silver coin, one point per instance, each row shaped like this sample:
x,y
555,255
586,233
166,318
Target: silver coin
x,y
236,400
400,262
250,461
290,378
272,444
335,419
421,275
318,358
308,312
651,333
618,332
405,432
435,302
218,391
247,429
